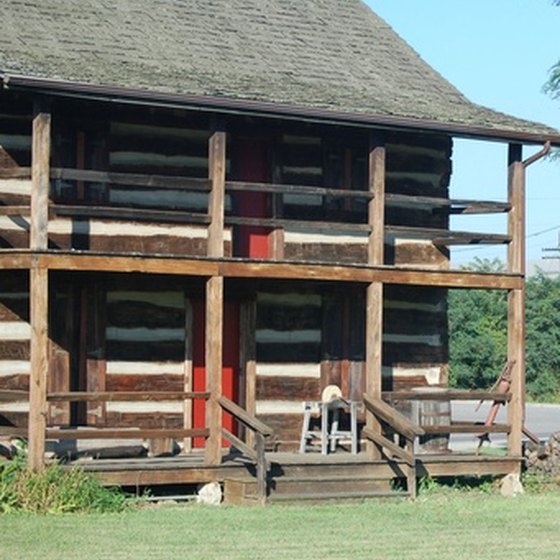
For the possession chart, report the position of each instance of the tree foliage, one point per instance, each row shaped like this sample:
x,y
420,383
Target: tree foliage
x,y
552,86
478,335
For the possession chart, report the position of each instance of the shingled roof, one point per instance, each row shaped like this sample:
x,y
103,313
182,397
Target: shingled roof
x,y
324,56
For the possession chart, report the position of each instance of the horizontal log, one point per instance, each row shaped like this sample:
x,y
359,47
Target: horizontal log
x,y
446,396
15,173
235,186
128,396
15,210
12,431
108,433
244,417
132,179
400,423
467,428
391,446
13,396
135,214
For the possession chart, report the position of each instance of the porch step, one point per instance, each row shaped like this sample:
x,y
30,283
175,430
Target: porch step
x,y
337,496
309,489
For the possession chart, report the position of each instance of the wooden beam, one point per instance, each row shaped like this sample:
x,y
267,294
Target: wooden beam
x,y
39,362
516,298
214,350
154,264
374,293
247,359
391,446
217,176
40,162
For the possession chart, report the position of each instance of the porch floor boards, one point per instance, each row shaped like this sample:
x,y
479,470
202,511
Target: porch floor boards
x,y
191,468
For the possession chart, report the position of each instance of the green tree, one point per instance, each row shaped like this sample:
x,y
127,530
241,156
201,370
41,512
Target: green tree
x,y
477,332
552,86
478,335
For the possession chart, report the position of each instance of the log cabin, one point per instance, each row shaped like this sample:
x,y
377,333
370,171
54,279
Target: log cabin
x,y
212,211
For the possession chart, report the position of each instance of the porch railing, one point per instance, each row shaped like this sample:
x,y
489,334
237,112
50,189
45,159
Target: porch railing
x,y
403,427
257,453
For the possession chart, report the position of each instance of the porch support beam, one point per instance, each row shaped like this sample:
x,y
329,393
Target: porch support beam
x,y
374,293
215,293
39,287
516,297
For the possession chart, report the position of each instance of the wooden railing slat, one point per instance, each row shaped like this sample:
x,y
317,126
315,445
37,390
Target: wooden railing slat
x,y
238,444
244,417
450,395
109,433
121,396
388,444
394,418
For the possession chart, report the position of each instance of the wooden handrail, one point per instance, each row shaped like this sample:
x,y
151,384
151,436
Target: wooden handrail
x,y
402,426
110,433
244,417
400,423
131,179
258,453
128,396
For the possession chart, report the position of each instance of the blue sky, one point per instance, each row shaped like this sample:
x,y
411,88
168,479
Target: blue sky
x,y
498,53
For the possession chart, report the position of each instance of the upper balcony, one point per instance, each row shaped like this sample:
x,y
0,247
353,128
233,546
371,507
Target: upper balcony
x,y
155,183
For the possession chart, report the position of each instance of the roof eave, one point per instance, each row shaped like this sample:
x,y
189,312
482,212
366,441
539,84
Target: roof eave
x,y
266,109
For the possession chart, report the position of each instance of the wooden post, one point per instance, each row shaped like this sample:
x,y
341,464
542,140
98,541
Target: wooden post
x,y
516,298
217,176
374,296
214,350
247,360
39,288
40,170
188,374
39,360
215,294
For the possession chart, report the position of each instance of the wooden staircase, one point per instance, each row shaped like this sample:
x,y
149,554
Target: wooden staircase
x,y
315,480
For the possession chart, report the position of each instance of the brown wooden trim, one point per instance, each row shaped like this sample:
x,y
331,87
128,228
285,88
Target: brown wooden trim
x,y
238,444
456,206
446,237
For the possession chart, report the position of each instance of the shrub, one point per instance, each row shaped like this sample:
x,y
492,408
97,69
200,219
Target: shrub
x,y
55,490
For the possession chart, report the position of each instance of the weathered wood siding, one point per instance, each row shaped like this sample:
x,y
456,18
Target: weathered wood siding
x,y
15,335
145,351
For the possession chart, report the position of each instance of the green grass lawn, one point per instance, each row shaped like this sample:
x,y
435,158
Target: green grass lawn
x,y
441,525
